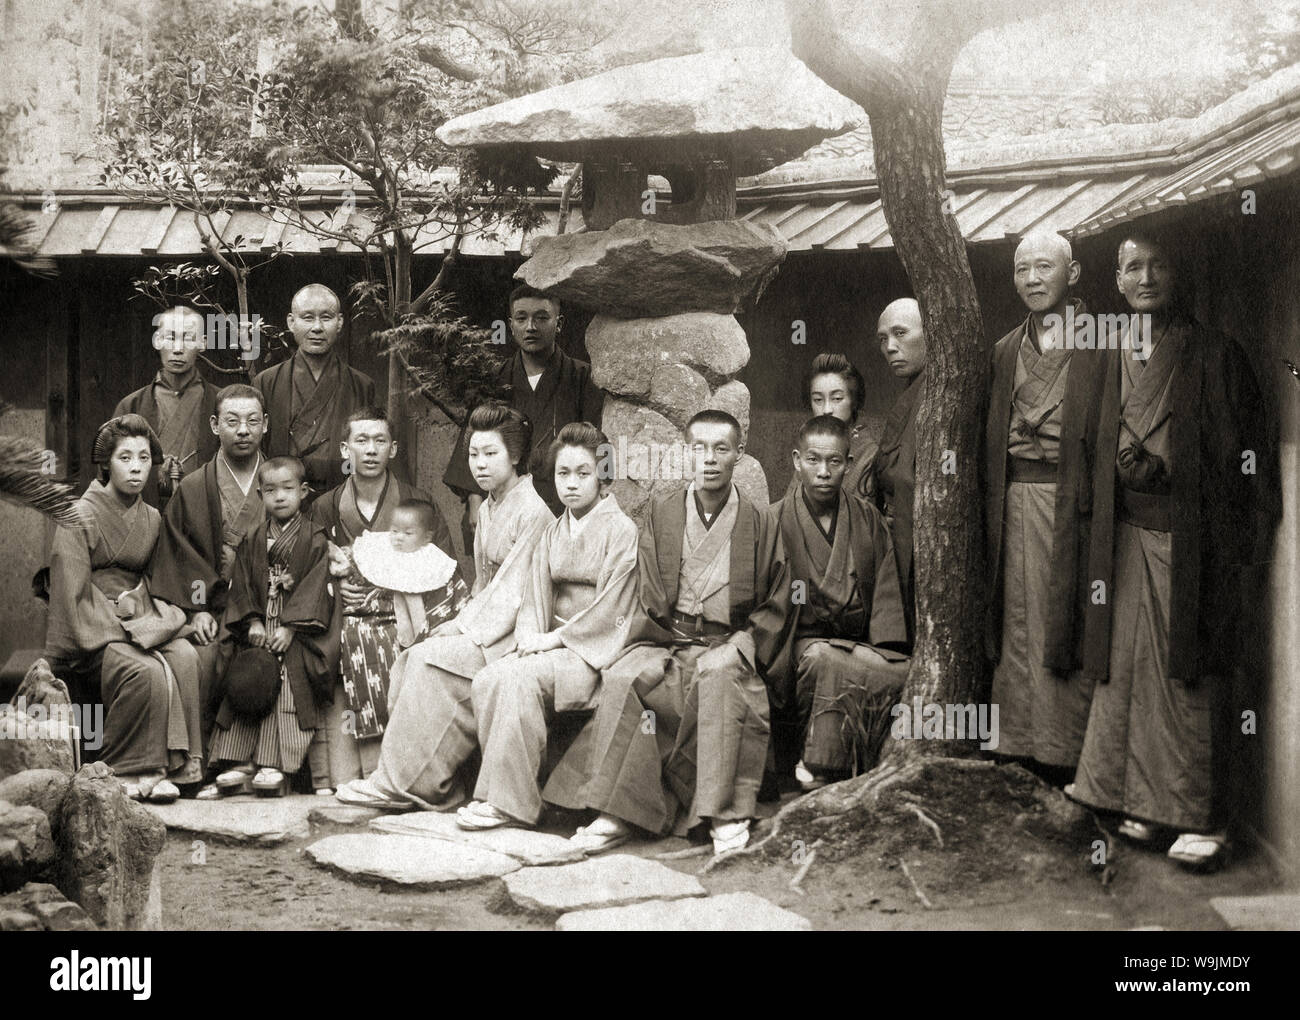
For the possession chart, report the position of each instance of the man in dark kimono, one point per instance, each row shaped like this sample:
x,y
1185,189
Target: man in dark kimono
x,y
1184,482
550,388
831,639
211,512
366,502
890,481
178,403
1037,492
682,724
310,396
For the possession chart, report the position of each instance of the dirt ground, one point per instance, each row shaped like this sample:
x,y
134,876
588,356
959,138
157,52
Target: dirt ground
x,y
230,887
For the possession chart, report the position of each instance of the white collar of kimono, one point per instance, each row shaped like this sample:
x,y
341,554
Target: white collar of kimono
x,y
425,569
690,500
577,525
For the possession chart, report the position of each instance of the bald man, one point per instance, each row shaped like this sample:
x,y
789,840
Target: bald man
x,y
309,397
1185,482
1037,456
178,403
890,480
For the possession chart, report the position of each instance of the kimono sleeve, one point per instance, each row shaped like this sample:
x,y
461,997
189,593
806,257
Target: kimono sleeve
x,y
491,615
246,597
598,634
178,562
771,622
81,618
310,605
888,627
593,399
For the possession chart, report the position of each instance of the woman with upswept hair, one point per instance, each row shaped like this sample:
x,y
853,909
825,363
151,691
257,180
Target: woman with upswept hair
x,y
109,639
431,731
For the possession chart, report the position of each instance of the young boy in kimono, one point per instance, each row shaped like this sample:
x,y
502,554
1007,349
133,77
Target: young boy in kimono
x,y
408,578
279,600
573,623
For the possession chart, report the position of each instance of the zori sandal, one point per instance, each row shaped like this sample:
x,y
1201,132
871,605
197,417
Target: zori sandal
x,y
1200,851
236,780
269,783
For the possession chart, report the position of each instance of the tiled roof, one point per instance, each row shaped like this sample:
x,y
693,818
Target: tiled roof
x,y
1078,182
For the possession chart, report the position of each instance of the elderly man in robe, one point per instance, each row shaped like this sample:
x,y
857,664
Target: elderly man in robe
x,y
693,675
310,396
890,480
178,403
1037,456
543,383
363,635
831,640
204,523
1183,468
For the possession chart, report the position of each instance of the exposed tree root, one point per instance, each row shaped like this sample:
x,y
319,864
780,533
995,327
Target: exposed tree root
x,y
966,828
920,894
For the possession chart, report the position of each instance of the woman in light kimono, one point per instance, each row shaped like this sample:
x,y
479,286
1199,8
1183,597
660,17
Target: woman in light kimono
x,y
573,623
431,730
835,386
109,638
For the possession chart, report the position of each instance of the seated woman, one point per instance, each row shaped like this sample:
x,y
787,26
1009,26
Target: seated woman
x,y
109,638
430,731
573,623
834,386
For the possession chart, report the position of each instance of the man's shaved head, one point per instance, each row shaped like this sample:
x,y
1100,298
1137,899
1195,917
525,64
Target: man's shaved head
x,y
902,337
1046,242
315,291
905,309
1044,270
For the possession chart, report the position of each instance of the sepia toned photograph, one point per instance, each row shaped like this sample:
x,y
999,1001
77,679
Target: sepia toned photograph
x,y
650,465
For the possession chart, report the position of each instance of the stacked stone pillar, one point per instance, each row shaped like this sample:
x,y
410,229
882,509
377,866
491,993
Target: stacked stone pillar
x,y
665,342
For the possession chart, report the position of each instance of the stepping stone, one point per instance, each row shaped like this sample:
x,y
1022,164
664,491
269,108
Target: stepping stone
x,y
525,845
331,813
412,861
742,911
1273,912
611,881
257,821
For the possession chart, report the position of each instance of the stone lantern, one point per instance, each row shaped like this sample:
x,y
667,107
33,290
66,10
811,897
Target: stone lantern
x,y
664,277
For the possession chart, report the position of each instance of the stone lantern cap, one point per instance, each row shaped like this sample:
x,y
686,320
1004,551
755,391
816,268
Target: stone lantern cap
x,y
754,106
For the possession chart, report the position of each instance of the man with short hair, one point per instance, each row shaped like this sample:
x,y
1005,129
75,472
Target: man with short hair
x,y
547,386
692,674
1037,452
178,403
367,501
1184,483
831,639
211,512
310,395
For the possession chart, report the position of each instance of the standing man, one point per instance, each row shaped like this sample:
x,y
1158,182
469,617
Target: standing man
x,y
890,481
1038,456
693,673
543,383
178,403
363,619
831,641
213,509
310,396
1182,467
